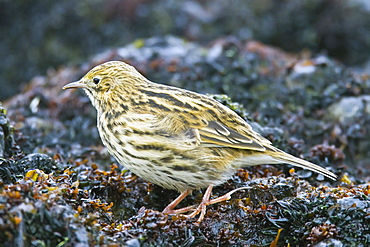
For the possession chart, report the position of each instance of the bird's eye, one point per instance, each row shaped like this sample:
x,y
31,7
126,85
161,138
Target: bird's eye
x,y
96,80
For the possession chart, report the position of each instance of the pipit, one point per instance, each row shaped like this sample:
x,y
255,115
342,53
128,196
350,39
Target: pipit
x,y
173,137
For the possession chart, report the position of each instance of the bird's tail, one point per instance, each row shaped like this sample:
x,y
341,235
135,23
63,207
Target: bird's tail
x,y
290,159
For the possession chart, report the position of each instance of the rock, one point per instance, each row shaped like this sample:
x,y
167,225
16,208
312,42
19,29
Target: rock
x,y
349,107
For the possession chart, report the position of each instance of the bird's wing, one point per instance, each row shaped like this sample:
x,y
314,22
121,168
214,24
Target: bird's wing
x,y
218,134
212,133
199,126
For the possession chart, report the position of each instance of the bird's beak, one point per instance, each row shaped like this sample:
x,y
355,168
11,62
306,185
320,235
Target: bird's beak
x,y
76,84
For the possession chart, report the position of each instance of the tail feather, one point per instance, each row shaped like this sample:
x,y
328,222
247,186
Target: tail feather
x,y
290,159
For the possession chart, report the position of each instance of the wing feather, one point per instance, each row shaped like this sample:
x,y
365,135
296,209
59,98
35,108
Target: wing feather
x,y
220,135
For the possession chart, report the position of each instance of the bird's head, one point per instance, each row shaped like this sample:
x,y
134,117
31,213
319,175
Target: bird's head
x,y
105,79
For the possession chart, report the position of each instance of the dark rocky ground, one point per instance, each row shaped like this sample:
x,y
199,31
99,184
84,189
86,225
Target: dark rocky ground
x,y
310,97
59,186
57,33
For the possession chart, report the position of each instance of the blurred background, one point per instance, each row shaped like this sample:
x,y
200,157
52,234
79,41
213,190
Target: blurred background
x,y
41,35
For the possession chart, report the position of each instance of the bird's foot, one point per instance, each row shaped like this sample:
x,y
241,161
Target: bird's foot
x,y
227,196
179,211
201,209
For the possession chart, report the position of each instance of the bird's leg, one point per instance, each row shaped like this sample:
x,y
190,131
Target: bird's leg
x,y
202,206
170,208
206,201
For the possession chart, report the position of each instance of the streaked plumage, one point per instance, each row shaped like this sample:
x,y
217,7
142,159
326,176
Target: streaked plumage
x,y
173,137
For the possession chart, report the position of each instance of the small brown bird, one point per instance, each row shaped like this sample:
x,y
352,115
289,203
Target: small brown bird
x,y
173,137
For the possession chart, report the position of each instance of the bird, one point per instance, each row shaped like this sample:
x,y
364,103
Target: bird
x,y
175,138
